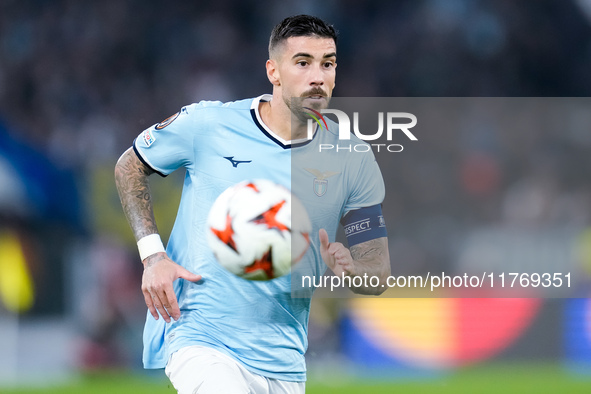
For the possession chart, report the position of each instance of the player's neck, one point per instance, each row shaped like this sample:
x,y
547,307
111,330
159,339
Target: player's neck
x,y
278,118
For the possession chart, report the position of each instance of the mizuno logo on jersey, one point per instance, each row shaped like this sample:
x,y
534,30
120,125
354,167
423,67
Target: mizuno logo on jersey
x,y
236,162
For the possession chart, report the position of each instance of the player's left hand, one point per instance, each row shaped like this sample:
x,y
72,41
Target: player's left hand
x,y
336,256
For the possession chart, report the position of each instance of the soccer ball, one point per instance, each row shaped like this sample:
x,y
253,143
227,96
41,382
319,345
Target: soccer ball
x,y
251,232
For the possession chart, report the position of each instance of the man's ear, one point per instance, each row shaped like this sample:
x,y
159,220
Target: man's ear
x,y
273,72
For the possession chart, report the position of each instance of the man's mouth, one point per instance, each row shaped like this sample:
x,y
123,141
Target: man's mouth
x,y
315,94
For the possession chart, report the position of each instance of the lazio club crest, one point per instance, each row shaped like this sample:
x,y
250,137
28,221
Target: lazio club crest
x,y
321,180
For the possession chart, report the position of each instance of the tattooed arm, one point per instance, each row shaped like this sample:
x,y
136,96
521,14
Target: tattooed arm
x,y
131,178
365,260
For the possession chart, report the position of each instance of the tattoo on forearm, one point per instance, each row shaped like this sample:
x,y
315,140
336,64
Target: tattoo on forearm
x,y
367,250
131,177
372,258
153,259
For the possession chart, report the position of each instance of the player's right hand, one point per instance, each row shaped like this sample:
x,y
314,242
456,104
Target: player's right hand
x,y
159,273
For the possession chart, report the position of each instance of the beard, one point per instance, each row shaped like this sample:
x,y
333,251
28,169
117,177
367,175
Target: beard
x,y
299,109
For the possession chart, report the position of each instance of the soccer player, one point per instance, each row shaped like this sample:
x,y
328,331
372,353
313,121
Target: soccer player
x,y
215,332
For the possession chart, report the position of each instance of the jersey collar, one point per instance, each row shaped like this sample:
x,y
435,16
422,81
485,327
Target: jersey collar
x,y
256,117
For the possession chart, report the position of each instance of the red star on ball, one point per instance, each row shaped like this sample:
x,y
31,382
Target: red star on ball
x,y
265,263
269,218
226,235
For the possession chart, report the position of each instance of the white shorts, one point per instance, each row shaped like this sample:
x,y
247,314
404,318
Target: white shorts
x,y
202,370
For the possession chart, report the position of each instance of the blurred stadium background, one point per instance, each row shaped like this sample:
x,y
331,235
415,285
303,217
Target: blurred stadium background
x,y
79,80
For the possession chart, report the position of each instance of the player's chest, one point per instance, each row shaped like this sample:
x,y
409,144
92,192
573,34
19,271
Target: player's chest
x,y
320,188
234,158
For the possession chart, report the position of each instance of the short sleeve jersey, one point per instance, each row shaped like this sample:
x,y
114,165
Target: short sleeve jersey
x,y
260,324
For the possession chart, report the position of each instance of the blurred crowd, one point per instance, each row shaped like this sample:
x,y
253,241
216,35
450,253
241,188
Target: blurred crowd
x,y
79,80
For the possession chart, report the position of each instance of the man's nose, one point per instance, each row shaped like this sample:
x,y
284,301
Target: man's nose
x,y
317,77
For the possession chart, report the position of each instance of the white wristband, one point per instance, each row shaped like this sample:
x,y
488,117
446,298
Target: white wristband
x,y
149,245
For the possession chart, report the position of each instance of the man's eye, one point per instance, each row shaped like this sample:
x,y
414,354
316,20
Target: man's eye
x,y
302,63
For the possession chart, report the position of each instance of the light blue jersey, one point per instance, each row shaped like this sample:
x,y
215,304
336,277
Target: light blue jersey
x,y
258,323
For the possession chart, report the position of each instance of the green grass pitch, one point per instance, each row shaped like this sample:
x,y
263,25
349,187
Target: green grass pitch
x,y
518,378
